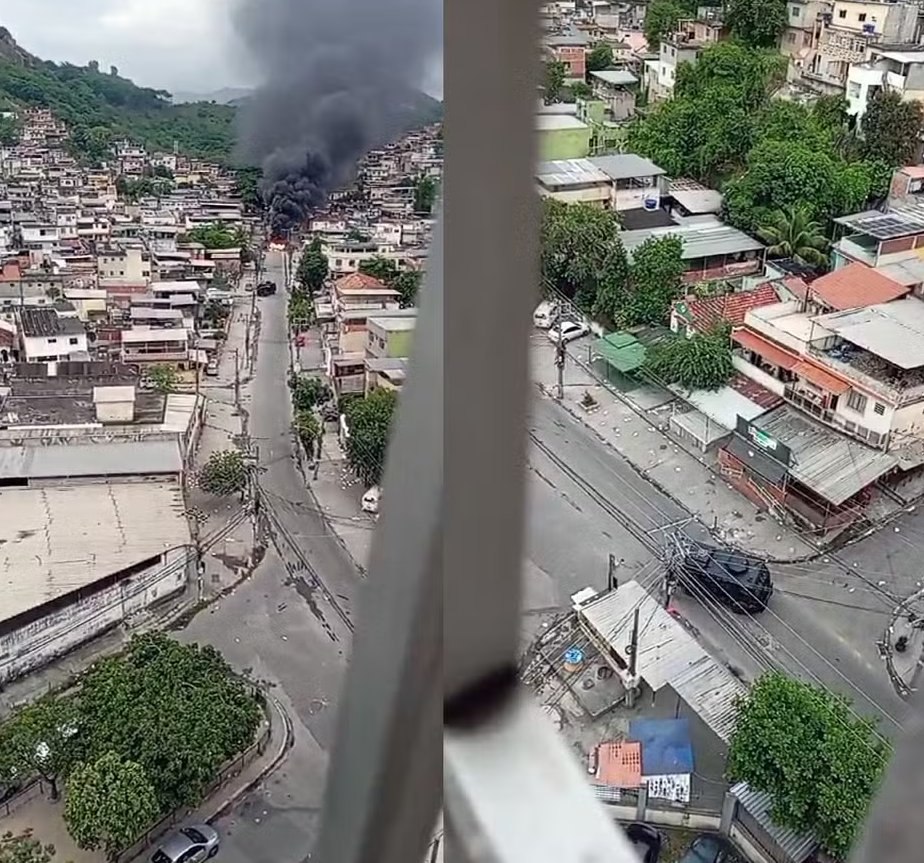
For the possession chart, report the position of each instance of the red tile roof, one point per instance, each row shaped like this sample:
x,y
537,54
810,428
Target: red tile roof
x,y
772,353
10,272
752,390
359,282
855,286
705,313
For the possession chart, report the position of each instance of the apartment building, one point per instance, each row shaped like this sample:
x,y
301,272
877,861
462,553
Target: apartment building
x,y
899,70
672,52
47,336
570,48
802,24
845,34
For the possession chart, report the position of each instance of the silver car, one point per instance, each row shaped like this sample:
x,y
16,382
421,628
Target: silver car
x,y
191,844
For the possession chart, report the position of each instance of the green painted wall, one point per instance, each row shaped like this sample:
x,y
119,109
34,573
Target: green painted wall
x,y
399,344
564,144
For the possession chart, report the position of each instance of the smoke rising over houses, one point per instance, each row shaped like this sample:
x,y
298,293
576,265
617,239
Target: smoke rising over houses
x,y
341,77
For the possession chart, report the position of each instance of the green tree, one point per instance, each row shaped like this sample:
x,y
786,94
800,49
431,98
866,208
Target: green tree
x,y
782,174
109,803
164,379
892,128
312,269
426,190
804,746
661,20
701,362
175,709
42,739
655,280
309,430
163,172
369,423
308,392
600,57
757,23
23,848
793,233
9,131
247,187
407,283
575,241
577,90
553,81
612,286
216,236
224,473
300,311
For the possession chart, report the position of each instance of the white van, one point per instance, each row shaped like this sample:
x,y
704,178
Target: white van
x,y
370,501
545,314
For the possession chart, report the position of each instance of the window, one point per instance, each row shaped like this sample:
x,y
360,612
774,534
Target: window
x,y
794,11
52,341
853,90
841,13
861,17
856,401
73,340
879,408
790,37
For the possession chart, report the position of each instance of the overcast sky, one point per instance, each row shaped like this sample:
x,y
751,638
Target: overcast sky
x,y
177,45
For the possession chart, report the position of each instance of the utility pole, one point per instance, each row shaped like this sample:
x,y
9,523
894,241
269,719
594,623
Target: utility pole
x,y
611,581
237,377
632,676
560,358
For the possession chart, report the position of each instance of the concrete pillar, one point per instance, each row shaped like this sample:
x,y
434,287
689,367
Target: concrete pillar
x,y
729,807
642,806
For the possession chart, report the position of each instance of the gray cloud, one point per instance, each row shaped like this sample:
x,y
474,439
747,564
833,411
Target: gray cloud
x,y
172,44
340,77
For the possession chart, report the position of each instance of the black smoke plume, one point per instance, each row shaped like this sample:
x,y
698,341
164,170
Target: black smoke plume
x,y
341,78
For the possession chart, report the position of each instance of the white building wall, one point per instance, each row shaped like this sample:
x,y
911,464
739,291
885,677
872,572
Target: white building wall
x,y
60,347
37,643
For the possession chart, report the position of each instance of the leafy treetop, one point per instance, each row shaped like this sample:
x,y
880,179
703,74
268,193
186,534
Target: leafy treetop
x,y
600,57
110,802
100,108
757,23
405,282
24,848
701,362
369,421
804,746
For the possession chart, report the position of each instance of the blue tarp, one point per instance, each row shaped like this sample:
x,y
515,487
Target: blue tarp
x,y
666,746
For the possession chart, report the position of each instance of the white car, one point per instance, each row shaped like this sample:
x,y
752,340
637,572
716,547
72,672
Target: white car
x,y
568,331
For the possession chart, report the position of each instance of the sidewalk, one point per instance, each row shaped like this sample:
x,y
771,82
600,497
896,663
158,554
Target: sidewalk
x,y
638,434
228,558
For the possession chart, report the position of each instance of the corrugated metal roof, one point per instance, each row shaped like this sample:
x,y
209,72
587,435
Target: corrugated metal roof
x,y
668,655
615,76
626,166
832,465
893,331
797,846
570,172
133,458
700,239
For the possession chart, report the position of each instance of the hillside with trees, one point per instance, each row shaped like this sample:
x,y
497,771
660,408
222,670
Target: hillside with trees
x,y
102,106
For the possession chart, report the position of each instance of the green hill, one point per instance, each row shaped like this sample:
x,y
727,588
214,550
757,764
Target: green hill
x,y
101,107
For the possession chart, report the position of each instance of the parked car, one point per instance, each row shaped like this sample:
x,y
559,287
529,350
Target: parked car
x,y
546,314
192,844
740,581
647,841
568,331
266,289
709,848
212,368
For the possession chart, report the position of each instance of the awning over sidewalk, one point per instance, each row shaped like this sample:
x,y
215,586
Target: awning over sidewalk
x,y
621,350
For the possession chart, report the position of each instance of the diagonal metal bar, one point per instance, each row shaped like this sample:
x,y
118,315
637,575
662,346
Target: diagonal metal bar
x,y
384,782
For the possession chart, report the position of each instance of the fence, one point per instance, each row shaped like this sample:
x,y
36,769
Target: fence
x,y
35,788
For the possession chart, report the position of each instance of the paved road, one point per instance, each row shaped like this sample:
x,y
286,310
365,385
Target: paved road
x,y
280,625
582,497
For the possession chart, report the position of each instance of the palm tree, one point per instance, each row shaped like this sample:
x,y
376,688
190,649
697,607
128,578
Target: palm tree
x,y
793,233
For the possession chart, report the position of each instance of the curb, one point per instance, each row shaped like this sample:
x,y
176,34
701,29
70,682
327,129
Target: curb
x,y
278,758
